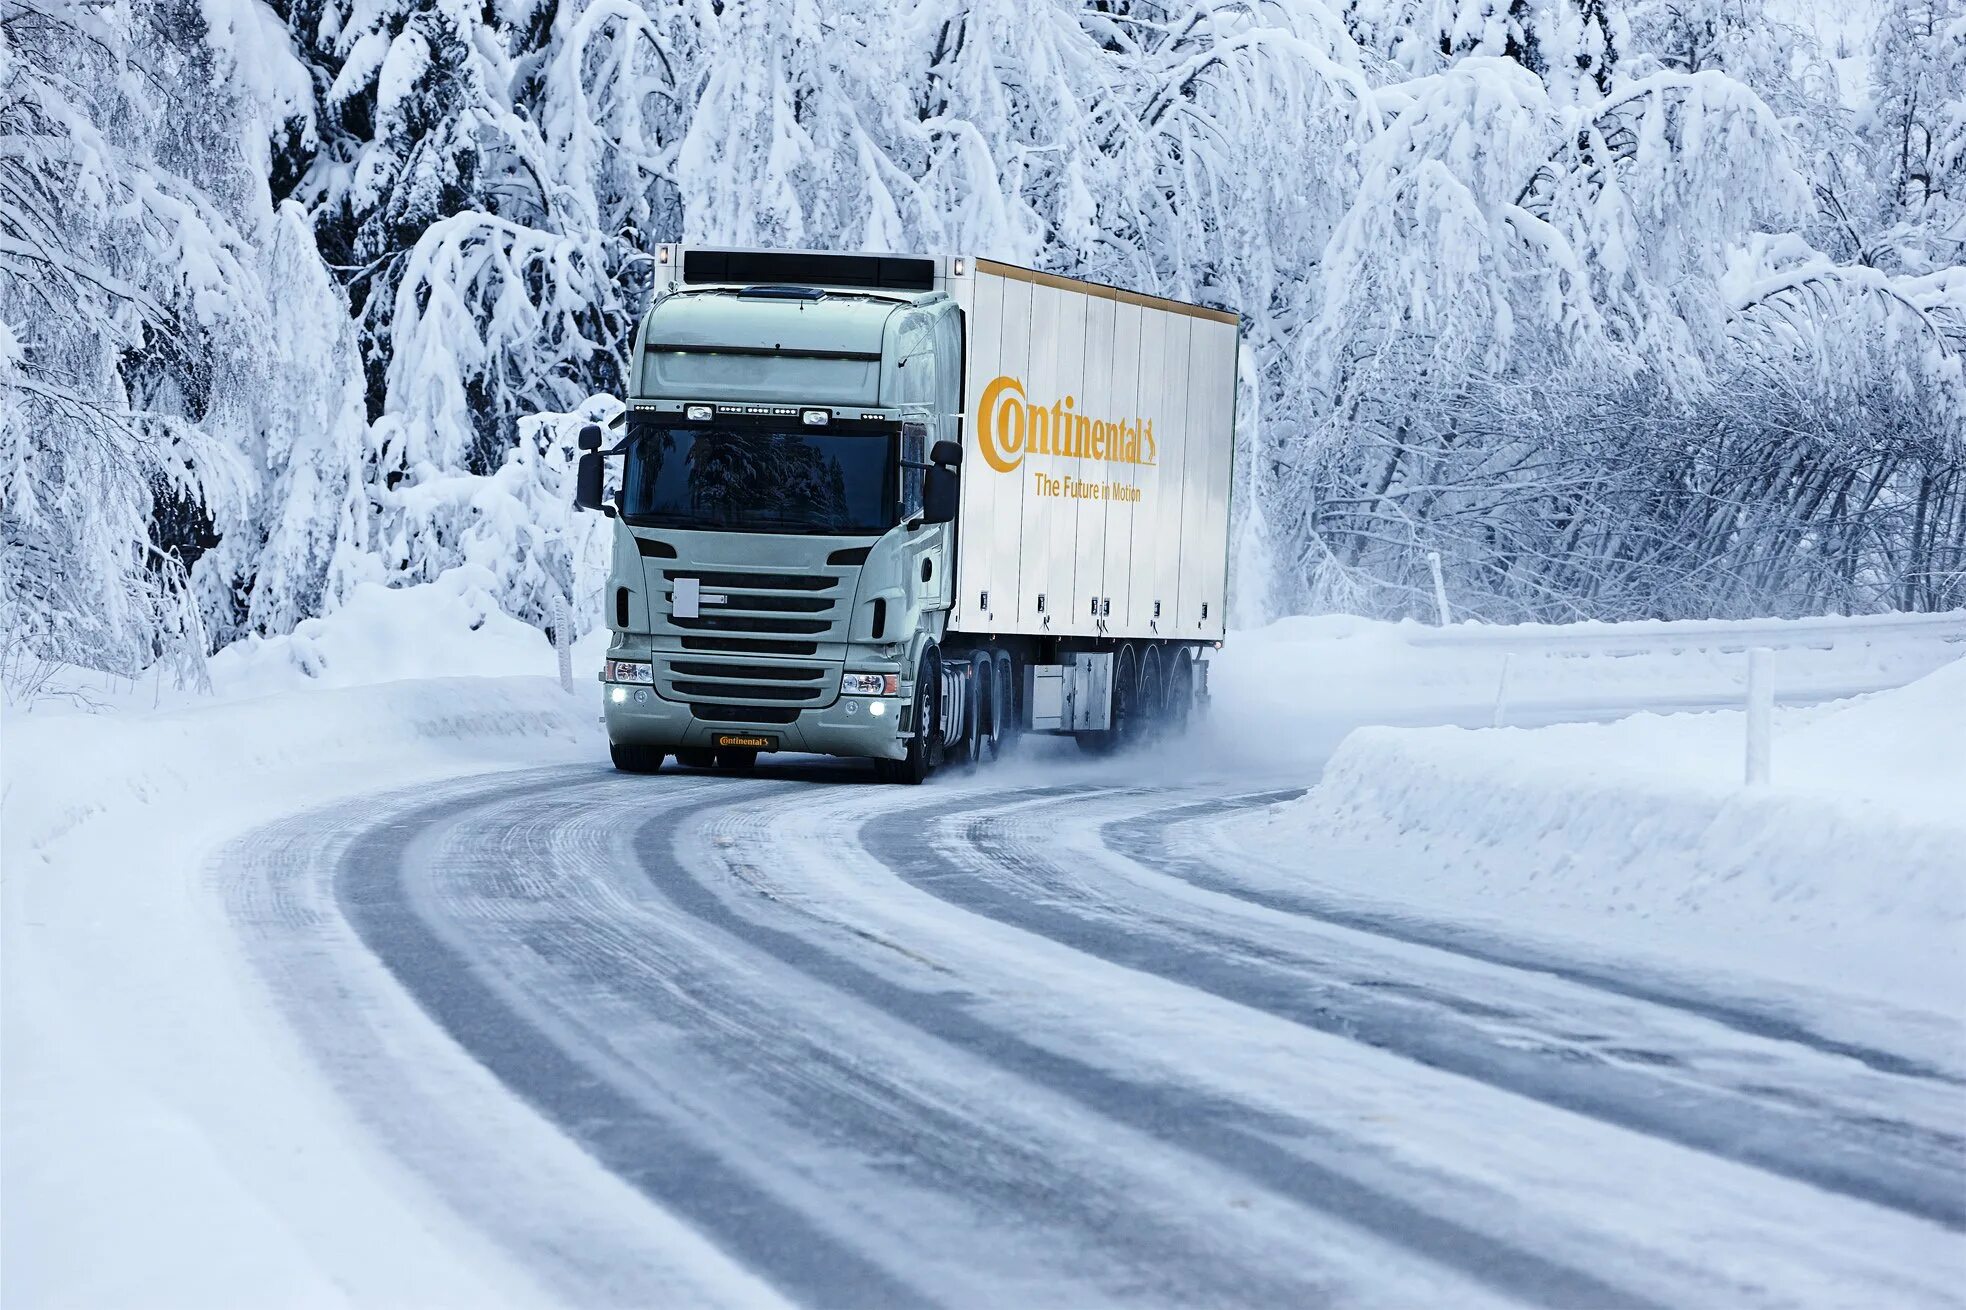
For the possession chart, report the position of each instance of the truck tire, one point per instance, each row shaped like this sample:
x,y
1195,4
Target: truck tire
x,y
1010,719
1179,698
635,759
963,749
913,770
696,757
737,759
987,737
1149,701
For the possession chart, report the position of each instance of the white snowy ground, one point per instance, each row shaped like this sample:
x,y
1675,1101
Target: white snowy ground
x,y
169,1138
1287,688
1844,879
166,1140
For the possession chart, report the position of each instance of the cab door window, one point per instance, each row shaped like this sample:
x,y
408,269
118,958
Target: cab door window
x,y
914,452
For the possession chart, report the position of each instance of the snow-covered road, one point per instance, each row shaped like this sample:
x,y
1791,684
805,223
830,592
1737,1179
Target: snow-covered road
x,y
1023,1037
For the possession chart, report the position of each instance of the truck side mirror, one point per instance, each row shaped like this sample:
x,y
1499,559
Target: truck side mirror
x,y
939,488
946,453
590,437
587,477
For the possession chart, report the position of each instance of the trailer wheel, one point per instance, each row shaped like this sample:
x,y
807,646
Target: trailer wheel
x,y
1009,720
1148,701
1180,693
635,759
920,761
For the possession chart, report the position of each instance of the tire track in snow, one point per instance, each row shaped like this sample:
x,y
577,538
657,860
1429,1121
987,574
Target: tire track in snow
x,y
1224,1134
645,1128
1144,838
438,1114
573,905
1919,1177
660,1157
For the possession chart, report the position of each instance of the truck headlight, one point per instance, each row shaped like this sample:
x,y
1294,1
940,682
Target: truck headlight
x,y
870,684
630,671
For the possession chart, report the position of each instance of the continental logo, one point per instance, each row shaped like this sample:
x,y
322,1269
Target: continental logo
x,y
1010,427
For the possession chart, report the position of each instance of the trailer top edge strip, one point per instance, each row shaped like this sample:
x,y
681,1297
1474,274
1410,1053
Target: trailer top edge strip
x,y
1107,292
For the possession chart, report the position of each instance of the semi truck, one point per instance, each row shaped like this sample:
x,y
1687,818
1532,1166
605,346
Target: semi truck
x,y
907,509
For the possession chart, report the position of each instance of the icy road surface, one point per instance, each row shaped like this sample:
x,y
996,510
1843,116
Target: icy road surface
x,y
1008,1040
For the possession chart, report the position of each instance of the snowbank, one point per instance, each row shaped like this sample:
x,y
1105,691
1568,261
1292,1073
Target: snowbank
x,y
1848,873
166,1140
452,627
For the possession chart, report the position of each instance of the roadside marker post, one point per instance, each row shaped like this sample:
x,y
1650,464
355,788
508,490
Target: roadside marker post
x,y
1761,713
563,638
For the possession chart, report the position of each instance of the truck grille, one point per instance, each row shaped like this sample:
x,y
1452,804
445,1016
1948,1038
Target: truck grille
x,y
756,693
728,622
757,650
760,672
747,646
762,605
745,713
754,581
702,681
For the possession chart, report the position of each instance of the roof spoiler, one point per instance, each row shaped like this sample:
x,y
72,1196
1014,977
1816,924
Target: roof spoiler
x,y
787,268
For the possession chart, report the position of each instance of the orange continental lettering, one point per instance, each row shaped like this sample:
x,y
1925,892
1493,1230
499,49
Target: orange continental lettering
x,y
1001,424
1009,427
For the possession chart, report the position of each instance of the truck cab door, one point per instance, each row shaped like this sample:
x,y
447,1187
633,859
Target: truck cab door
x,y
925,548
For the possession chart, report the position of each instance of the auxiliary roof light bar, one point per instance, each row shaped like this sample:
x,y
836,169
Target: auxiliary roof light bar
x,y
812,418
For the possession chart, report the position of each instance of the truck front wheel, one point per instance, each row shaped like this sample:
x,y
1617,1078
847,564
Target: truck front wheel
x,y
920,762
635,759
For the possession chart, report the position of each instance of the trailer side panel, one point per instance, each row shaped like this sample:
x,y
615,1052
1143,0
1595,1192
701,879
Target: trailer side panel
x,y
1097,462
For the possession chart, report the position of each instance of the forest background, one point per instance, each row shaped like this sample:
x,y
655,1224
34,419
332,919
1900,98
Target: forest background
x,y
1626,308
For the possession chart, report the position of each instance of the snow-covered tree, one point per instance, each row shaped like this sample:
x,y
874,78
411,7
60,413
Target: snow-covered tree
x,y
1572,45
1624,306
304,543
133,350
1916,131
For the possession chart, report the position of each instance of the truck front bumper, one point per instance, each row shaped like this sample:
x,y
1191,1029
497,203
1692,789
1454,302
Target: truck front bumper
x,y
637,716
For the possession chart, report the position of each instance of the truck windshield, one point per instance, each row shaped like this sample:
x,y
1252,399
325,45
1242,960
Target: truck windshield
x,y
749,478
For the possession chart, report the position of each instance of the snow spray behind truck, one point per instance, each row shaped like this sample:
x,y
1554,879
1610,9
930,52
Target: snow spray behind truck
x,y
904,509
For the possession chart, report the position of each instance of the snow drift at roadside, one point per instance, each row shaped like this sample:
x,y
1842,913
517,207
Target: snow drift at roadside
x,y
133,1032
1844,874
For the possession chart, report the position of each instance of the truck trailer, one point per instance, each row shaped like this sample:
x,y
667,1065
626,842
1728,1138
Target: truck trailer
x,y
907,508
